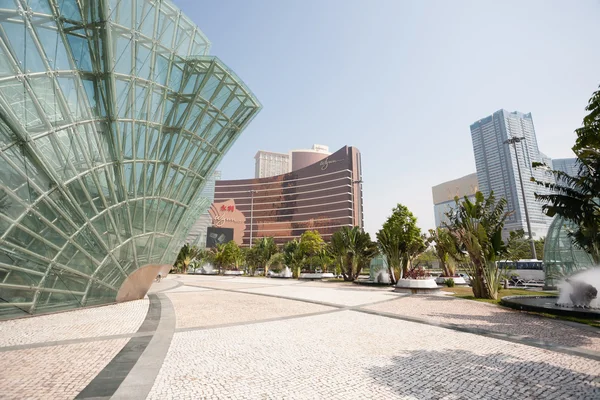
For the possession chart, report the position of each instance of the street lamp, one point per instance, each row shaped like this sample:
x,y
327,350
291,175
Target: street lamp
x,y
514,140
353,199
251,212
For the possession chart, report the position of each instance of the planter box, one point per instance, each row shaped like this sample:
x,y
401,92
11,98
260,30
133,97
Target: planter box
x,y
458,280
417,286
324,275
233,273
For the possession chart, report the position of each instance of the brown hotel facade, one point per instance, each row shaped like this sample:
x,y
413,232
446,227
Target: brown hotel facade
x,y
323,196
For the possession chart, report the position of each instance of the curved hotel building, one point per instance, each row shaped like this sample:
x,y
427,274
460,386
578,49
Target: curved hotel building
x,y
322,196
112,117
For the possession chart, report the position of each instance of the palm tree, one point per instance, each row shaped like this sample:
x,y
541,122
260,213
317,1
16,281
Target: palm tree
x,y
218,256
353,249
390,244
477,228
263,249
294,256
446,251
277,262
576,198
186,255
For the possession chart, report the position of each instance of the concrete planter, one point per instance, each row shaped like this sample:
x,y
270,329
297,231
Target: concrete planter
x,y
417,286
458,280
324,275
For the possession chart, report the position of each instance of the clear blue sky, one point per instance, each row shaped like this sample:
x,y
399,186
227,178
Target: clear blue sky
x,y
402,81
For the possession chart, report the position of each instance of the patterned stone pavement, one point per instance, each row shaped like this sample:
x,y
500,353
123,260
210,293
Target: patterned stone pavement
x,y
256,338
473,314
112,320
54,372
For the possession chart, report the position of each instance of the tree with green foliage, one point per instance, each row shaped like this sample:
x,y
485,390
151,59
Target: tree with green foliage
x,y
186,255
276,263
353,250
217,256
577,198
262,250
477,228
233,255
293,256
400,240
324,258
311,244
519,247
446,250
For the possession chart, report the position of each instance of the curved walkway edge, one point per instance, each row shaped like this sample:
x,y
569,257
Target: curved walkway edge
x,y
131,373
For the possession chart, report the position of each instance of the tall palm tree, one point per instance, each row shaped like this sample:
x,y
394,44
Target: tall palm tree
x,y
477,227
577,198
353,249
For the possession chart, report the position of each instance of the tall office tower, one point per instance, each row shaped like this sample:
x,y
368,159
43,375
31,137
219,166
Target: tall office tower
x,y
269,163
197,235
567,165
497,170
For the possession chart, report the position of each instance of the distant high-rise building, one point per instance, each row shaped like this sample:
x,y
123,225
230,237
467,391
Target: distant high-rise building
x,y
497,171
197,234
269,163
444,194
567,165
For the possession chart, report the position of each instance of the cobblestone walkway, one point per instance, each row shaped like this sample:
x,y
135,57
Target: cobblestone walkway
x,y
255,338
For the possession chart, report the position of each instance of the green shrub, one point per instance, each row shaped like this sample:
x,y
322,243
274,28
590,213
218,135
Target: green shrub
x,y
449,282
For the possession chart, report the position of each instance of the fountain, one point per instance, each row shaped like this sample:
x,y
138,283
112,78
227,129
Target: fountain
x,y
208,269
578,297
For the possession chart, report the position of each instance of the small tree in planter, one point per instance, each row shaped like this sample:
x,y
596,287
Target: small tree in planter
x,y
400,240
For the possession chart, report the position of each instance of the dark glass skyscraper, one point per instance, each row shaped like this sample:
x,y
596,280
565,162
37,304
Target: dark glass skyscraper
x,y
112,114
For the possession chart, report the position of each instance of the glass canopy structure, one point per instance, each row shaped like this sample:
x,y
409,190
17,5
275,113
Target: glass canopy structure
x,y
561,257
112,115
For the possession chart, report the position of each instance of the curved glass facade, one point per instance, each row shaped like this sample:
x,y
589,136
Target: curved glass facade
x,y
561,257
111,116
323,196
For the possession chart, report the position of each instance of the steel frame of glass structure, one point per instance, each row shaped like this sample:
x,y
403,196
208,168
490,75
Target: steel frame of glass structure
x,y
562,258
111,116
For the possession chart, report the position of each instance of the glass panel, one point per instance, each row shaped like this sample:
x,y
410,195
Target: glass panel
x,y
81,52
23,47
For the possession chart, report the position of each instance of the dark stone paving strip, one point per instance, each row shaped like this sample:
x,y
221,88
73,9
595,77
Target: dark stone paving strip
x,y
260,321
74,341
106,383
141,377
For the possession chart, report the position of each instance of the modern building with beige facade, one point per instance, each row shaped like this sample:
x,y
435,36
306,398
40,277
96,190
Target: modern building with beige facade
x,y
444,194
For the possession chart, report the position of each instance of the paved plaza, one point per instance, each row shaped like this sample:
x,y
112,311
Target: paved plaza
x,y
217,337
